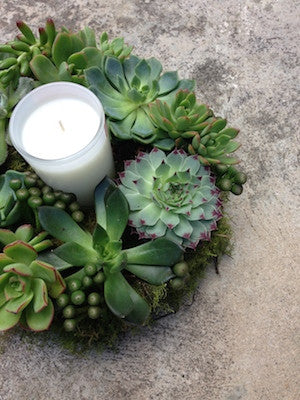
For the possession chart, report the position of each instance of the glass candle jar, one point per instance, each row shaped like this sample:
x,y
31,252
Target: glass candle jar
x,y
59,129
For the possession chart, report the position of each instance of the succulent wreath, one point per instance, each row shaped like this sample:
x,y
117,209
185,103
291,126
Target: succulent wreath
x,y
94,273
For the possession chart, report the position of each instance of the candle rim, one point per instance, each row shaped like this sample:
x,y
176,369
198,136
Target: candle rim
x,y
100,132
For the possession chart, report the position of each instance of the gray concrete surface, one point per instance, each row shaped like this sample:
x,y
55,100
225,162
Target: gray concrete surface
x,y
239,339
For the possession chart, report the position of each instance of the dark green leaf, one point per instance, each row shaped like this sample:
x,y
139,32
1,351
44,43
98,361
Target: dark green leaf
x,y
61,225
158,252
75,254
153,274
117,295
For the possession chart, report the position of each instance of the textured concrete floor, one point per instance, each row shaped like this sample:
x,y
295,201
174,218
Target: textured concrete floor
x,y
239,338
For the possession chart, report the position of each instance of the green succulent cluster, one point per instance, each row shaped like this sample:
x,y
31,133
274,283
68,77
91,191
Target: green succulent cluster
x,y
26,284
22,193
193,126
150,261
171,196
56,56
125,90
230,179
18,53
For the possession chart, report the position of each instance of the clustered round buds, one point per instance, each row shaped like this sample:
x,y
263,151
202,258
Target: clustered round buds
x,y
36,193
181,270
230,179
83,297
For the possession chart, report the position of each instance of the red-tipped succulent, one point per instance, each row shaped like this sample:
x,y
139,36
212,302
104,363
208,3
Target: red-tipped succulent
x,y
25,286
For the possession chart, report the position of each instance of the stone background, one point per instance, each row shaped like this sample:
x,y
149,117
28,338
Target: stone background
x,y
239,338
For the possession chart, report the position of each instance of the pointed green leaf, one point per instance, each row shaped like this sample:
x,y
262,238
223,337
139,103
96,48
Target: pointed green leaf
x,y
40,299
75,254
64,45
50,258
153,274
18,268
102,191
43,270
43,69
117,212
7,236
158,252
61,226
18,304
100,237
8,319
20,252
141,309
117,295
168,82
24,233
42,320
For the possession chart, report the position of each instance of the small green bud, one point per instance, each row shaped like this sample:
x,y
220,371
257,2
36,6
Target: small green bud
x,y
90,269
94,299
59,204
221,169
78,297
34,191
69,311
40,183
99,278
49,198
181,269
57,194
46,189
74,284
78,216
15,184
94,312
237,189
22,194
87,281
62,300
69,325
74,206
29,181
225,184
67,197
34,202
240,178
177,283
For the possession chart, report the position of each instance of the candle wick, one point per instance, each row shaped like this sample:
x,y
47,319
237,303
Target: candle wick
x,y
61,125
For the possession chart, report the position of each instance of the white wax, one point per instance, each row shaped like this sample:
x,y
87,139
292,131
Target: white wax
x,y
59,128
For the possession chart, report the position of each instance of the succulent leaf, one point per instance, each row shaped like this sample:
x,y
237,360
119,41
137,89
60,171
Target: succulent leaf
x,y
153,274
60,225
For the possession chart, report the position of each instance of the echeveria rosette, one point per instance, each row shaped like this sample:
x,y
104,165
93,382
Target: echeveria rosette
x,y
125,90
150,261
193,127
25,286
171,196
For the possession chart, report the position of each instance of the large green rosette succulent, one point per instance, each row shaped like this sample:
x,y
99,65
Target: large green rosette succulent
x,y
150,261
171,196
26,285
125,90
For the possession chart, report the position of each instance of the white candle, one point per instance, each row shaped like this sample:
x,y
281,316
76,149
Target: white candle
x,y
59,129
